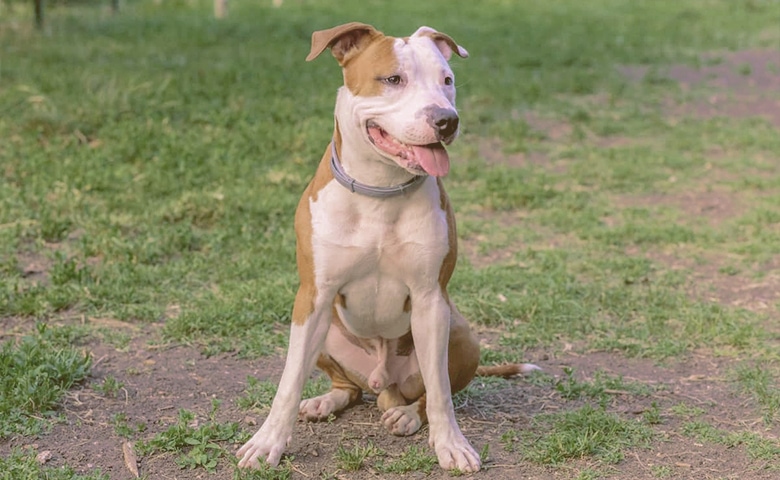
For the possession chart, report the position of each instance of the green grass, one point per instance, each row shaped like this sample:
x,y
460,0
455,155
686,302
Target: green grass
x,y
762,384
353,459
364,456
757,446
35,372
413,459
601,388
151,163
165,186
584,432
260,394
22,465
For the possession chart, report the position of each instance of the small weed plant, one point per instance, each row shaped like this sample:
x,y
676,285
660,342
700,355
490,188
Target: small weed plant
x,y
109,387
197,446
353,459
414,459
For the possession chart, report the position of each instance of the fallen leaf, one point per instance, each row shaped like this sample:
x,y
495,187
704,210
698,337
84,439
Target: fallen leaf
x,y
131,461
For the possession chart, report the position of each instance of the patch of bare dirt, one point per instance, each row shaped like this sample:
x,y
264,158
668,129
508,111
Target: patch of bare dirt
x,y
553,129
716,279
714,206
471,245
742,84
492,151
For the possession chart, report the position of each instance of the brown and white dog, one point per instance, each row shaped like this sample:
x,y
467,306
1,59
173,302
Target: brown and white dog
x,y
376,246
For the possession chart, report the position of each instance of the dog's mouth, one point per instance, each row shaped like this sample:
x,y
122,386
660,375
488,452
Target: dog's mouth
x,y
431,158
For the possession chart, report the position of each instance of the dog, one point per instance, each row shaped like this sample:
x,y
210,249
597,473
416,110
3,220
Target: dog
x,y
376,247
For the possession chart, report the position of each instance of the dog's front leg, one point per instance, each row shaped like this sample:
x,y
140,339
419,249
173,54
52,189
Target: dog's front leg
x,y
306,340
430,330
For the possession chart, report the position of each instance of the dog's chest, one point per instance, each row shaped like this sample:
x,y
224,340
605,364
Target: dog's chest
x,y
376,253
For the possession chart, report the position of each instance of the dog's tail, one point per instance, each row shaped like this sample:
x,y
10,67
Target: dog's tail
x,y
506,370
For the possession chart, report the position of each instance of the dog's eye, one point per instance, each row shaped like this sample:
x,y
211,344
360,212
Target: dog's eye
x,y
393,80
448,81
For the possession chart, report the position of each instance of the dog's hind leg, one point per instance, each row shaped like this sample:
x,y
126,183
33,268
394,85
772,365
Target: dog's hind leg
x,y
342,392
403,418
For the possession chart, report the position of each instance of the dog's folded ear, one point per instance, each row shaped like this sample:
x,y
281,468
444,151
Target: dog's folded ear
x,y
444,42
341,39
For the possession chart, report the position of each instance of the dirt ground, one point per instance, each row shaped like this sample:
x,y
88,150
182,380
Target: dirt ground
x,y
158,381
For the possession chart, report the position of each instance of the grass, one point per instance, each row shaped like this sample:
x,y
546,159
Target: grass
x,y
584,432
22,465
353,459
755,445
110,387
761,383
157,204
260,394
35,372
152,160
601,389
360,456
413,459
198,446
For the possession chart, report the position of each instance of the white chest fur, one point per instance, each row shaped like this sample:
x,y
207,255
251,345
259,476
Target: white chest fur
x,y
374,252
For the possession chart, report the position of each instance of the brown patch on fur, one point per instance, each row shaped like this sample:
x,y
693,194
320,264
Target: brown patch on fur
x,y
412,387
340,300
338,377
408,304
336,322
389,398
405,345
342,39
448,265
307,290
422,404
365,54
464,352
366,66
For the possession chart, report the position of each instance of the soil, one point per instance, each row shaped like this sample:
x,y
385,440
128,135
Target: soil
x,y
160,380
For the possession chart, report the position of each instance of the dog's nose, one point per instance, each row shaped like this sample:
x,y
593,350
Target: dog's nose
x,y
445,121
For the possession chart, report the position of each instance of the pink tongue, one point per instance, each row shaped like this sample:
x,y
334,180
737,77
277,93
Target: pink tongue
x,y
432,158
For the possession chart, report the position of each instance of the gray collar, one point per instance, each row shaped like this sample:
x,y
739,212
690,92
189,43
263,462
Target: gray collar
x,y
356,187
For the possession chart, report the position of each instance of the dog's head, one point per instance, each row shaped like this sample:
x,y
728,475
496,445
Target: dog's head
x,y
398,92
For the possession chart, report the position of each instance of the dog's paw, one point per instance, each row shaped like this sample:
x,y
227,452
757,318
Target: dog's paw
x,y
402,421
261,448
321,407
316,408
457,454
